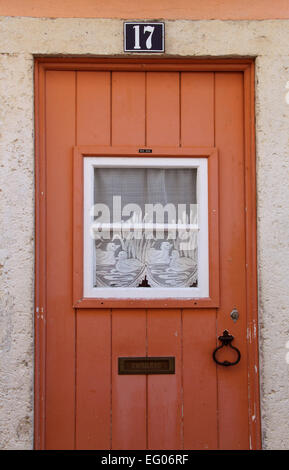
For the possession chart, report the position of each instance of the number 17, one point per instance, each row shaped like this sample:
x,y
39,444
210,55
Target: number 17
x,y
149,29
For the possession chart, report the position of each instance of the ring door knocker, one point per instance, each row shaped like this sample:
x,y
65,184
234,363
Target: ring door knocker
x,y
226,340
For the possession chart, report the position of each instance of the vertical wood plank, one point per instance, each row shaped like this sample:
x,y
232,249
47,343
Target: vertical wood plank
x,y
232,381
164,392
93,393
165,430
128,327
60,357
163,109
40,261
197,109
199,369
251,260
199,326
93,108
128,108
93,374
128,391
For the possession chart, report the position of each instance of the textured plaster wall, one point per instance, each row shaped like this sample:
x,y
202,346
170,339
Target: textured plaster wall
x,y
20,39
16,250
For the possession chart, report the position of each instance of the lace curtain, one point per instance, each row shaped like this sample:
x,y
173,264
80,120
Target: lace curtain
x,y
141,244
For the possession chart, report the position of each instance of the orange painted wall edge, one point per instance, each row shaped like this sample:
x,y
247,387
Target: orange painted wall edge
x,y
150,9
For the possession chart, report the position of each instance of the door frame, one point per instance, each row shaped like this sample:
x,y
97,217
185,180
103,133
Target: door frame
x,y
144,63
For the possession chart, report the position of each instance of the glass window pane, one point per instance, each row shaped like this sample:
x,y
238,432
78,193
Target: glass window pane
x,y
145,227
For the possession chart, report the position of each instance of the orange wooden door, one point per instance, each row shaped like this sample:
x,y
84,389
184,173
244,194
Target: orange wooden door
x,y
81,401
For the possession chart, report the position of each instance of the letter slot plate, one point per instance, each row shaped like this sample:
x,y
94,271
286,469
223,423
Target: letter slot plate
x,y
146,365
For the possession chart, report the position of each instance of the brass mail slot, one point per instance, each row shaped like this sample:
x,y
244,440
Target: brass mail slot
x,y
146,365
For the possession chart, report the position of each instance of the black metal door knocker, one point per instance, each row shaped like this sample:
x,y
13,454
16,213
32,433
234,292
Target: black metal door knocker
x,y
226,340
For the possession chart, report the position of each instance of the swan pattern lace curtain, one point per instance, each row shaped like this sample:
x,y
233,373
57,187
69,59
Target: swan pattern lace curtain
x,y
144,238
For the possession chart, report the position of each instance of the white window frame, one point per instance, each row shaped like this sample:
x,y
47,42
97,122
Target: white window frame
x,y
202,290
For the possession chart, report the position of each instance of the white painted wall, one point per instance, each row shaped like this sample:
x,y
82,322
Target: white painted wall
x,y
20,39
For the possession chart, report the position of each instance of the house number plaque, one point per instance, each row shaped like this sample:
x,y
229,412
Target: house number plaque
x,y
144,37
146,365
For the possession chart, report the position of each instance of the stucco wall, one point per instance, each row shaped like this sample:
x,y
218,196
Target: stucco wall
x,y
20,39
